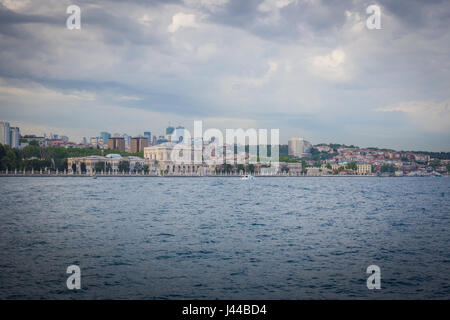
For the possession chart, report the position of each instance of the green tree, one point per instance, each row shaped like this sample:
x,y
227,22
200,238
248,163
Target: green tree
x,y
435,163
138,167
62,164
227,167
31,151
124,166
99,167
387,168
9,160
352,166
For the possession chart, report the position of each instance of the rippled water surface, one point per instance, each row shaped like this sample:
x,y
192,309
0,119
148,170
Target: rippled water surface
x,y
183,238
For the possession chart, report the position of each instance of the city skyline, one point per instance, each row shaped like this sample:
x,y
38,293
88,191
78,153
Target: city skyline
x,y
87,140
309,68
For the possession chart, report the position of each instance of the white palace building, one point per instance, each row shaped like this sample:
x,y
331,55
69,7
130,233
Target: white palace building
x,y
178,159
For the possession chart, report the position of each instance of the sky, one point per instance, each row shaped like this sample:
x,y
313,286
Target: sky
x,y
310,68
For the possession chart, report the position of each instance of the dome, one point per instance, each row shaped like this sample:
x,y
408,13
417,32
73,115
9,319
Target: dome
x,y
113,156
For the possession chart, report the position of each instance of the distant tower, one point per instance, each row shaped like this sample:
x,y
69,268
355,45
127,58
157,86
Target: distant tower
x,y
15,135
148,134
298,147
5,133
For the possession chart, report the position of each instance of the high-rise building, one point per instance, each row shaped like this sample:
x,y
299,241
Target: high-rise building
x,y
298,147
94,141
127,139
105,136
169,130
138,144
116,143
148,134
178,135
15,135
5,133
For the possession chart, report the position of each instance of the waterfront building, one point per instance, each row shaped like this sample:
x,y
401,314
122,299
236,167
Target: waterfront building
x,y
363,169
314,171
298,147
116,143
110,163
176,162
294,168
335,166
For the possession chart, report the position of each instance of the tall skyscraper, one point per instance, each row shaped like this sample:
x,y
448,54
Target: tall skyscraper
x,y
169,130
5,133
105,136
148,134
298,147
15,135
178,135
127,139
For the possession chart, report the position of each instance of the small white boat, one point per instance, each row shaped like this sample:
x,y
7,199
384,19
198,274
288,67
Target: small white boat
x,y
247,177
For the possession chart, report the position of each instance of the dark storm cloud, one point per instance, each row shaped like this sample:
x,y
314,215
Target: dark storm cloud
x,y
304,64
8,17
418,13
10,20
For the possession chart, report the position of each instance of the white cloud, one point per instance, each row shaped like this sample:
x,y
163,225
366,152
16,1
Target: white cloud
x,y
253,82
331,66
145,19
15,5
269,5
182,20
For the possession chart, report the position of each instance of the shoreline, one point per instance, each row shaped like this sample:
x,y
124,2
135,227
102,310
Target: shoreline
x,y
185,176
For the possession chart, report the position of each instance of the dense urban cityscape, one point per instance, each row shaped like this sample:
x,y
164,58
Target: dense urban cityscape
x,y
147,154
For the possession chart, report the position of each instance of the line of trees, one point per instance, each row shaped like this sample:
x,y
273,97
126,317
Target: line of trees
x,y
40,158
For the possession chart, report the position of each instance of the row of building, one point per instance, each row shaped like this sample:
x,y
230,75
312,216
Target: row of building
x,y
125,142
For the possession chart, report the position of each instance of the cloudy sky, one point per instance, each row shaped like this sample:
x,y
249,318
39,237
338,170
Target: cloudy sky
x,y
308,67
